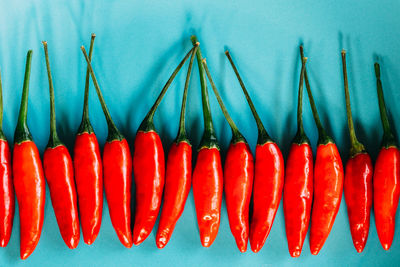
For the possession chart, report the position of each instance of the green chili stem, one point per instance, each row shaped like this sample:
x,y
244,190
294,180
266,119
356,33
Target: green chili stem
x,y
311,98
235,131
262,132
87,80
208,124
300,128
182,130
166,86
54,140
22,131
113,132
356,146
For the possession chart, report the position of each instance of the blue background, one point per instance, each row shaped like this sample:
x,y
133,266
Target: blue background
x,y
138,45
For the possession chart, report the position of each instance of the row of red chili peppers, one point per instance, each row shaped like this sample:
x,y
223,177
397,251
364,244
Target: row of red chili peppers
x,y
310,193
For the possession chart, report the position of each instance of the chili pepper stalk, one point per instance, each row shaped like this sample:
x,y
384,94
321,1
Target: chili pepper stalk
x,y
28,176
386,176
328,180
358,179
268,177
298,187
178,173
149,169
238,176
117,167
7,203
59,173
88,170
207,175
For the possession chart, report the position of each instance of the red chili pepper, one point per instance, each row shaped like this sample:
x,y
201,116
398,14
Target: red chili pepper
x,y
59,173
298,187
207,175
178,175
386,176
7,202
268,178
88,171
328,181
149,169
357,179
117,164
29,180
238,177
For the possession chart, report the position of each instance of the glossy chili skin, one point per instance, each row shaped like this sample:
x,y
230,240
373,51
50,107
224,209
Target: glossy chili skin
x,y
328,189
149,172
59,174
267,192
89,184
386,193
297,195
358,196
238,183
7,202
117,164
177,187
30,188
207,191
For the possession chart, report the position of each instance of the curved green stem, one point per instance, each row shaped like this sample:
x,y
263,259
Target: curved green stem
x,y
301,137
388,137
113,133
147,124
209,139
182,130
236,135
263,136
86,126
323,137
53,140
22,131
2,136
356,146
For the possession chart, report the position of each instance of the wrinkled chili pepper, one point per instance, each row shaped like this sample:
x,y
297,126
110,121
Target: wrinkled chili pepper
x,y
238,177
328,180
117,168
178,174
268,178
88,171
386,176
149,169
207,175
298,186
29,180
7,201
357,179
59,174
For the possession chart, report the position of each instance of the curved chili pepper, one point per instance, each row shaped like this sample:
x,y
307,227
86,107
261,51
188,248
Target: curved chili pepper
x,y
59,174
149,169
117,164
29,180
386,176
238,177
178,175
268,178
357,179
88,171
328,180
7,202
207,175
298,187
